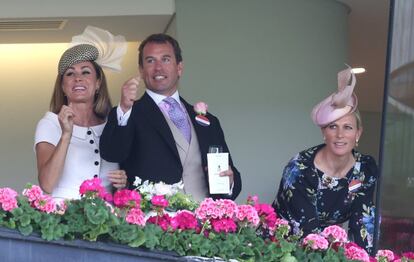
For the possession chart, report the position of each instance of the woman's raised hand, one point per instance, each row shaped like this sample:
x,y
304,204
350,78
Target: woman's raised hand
x,y
65,118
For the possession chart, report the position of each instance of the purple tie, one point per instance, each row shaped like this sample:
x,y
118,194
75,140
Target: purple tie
x,y
178,117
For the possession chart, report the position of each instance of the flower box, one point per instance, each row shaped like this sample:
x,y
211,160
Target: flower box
x,y
33,227
16,247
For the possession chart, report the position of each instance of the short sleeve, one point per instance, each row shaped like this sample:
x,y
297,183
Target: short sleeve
x,y
48,130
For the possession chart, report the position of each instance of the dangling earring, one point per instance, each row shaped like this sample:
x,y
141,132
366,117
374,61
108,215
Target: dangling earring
x,y
356,142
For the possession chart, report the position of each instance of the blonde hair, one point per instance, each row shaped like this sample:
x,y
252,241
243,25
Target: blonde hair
x,y
102,103
358,118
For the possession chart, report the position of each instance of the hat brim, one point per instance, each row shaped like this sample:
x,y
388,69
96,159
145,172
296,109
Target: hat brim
x,y
325,112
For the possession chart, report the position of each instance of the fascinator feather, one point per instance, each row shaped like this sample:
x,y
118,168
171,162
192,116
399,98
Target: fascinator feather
x,y
95,44
338,104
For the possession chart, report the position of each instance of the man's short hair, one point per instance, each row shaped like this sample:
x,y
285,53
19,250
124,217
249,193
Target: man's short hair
x,y
160,39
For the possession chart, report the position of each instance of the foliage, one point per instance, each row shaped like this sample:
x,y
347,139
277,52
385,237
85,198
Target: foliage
x,y
212,228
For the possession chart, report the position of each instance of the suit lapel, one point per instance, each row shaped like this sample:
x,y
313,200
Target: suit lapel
x,y
202,131
155,117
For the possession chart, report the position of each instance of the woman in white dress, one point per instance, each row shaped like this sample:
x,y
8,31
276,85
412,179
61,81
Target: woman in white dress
x,y
67,137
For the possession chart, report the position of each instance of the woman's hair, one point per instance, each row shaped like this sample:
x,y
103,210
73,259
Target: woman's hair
x,y
102,103
358,118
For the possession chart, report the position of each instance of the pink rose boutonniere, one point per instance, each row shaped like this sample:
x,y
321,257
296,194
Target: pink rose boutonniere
x,y
201,109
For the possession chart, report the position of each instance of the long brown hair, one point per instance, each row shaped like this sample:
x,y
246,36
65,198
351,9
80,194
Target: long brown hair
x,y
102,103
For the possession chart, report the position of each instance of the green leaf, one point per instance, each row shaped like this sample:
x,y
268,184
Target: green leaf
x,y
17,212
331,256
300,254
180,201
139,239
92,234
288,258
168,241
272,252
206,248
10,224
315,257
96,214
124,233
51,227
286,246
25,230
152,235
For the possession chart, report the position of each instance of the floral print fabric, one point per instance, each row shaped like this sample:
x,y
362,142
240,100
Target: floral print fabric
x,y
312,200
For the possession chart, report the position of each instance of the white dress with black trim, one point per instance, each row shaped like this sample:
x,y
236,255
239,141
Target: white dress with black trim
x,y
83,160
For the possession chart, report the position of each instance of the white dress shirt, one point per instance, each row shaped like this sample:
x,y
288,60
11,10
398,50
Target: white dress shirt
x,y
158,99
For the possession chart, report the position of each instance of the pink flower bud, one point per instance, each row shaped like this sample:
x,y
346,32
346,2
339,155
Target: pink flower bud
x,y
201,108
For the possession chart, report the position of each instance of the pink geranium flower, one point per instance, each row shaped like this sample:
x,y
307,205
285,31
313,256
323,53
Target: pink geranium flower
x,y
409,255
159,201
127,198
354,252
248,213
280,222
90,185
267,215
93,186
385,253
335,234
163,221
184,220
45,203
136,216
8,199
229,207
9,205
106,196
33,193
225,225
216,209
315,242
252,200
205,209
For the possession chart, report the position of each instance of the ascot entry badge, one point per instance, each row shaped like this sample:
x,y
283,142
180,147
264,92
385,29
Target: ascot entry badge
x,y
354,185
202,120
218,162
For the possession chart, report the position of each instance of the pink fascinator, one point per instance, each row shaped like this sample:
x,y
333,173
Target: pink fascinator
x,y
338,104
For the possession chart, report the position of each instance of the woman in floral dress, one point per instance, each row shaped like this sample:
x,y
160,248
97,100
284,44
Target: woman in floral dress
x,y
332,183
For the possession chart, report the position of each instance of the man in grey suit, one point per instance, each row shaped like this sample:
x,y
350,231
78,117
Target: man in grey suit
x,y
144,135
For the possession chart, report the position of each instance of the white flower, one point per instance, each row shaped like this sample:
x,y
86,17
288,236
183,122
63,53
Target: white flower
x,y
146,188
162,189
150,189
177,187
137,181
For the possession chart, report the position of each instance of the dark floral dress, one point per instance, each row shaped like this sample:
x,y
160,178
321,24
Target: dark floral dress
x,y
311,200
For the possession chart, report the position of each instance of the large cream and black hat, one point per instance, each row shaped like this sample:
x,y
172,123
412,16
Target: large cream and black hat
x,y
94,44
338,104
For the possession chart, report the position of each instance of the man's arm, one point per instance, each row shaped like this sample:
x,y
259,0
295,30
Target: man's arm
x,y
115,142
118,135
